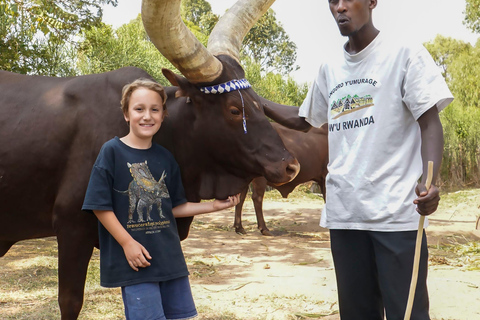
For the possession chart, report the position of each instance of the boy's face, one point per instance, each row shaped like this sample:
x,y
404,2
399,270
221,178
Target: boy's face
x,y
351,15
145,113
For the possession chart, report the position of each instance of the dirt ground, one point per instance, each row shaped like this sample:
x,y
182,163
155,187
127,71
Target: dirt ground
x,y
253,277
291,276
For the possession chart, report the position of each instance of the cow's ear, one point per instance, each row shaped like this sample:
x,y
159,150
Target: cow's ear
x,y
184,86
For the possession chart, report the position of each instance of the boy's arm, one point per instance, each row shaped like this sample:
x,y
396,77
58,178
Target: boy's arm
x,y
189,209
135,253
432,150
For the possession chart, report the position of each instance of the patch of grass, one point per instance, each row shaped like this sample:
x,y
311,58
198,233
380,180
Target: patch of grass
x,y
29,285
299,316
463,255
200,269
211,226
470,197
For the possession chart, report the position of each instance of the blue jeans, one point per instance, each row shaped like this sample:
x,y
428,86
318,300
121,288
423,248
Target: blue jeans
x,y
159,300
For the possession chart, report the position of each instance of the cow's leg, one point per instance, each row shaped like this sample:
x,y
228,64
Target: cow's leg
x,y
258,191
237,224
77,234
183,227
76,239
5,246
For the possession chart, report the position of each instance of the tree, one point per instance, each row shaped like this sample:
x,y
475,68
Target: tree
x,y
274,86
199,13
461,64
444,50
34,32
269,44
104,49
472,15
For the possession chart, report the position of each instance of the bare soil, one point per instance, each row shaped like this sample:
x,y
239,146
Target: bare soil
x,y
291,276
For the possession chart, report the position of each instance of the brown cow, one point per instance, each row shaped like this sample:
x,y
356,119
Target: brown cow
x,y
51,130
311,150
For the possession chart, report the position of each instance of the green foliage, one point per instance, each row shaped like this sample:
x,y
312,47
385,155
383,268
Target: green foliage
x,y
199,13
36,35
472,15
269,44
273,86
104,49
461,65
444,50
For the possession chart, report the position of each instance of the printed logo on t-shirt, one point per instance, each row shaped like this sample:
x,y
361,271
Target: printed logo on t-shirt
x,y
350,103
143,193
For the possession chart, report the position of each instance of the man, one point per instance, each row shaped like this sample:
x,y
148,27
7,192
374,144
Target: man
x,y
381,99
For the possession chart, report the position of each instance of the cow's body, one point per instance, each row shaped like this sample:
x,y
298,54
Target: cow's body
x,y
51,130
311,150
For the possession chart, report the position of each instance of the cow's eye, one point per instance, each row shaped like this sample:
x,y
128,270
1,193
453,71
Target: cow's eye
x,y
235,111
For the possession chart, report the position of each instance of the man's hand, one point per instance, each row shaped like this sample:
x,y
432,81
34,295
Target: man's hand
x,y
427,201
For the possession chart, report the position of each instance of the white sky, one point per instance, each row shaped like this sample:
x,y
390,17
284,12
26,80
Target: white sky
x,y
310,25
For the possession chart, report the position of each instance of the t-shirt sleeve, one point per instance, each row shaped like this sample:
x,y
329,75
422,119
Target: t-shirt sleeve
x,y
315,106
99,195
424,85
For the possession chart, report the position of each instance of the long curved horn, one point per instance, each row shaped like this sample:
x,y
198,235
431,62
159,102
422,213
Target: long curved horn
x,y
164,26
227,36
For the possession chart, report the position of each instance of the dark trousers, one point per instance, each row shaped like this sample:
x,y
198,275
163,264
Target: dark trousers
x,y
374,270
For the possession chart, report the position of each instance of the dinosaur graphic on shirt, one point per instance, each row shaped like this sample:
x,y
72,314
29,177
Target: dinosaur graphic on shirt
x,y
144,192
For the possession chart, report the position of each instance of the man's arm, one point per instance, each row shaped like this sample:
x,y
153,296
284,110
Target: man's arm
x,y
432,150
285,115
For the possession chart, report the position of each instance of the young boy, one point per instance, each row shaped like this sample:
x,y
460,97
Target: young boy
x,y
381,99
135,190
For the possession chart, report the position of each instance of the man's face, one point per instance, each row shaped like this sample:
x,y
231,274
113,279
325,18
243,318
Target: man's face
x,y
351,15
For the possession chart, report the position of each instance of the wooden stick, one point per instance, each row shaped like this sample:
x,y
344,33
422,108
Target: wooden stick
x,y
418,247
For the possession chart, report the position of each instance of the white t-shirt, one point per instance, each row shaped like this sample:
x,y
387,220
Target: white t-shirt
x,y
372,101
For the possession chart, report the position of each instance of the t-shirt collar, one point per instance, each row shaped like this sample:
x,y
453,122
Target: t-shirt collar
x,y
356,57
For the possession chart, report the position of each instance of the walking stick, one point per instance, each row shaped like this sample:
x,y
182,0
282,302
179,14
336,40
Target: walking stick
x,y
418,246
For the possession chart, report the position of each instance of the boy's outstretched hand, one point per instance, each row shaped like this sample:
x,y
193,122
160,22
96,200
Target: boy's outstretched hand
x,y
227,203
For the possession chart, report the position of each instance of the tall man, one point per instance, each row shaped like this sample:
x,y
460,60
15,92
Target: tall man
x,y
381,99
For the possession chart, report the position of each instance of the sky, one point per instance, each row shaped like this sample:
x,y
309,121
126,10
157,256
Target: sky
x,y
311,27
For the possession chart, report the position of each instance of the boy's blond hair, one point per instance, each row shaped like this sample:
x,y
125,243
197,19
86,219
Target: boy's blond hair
x,y
142,83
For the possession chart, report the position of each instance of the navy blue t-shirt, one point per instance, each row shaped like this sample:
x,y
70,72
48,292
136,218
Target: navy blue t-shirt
x,y
141,187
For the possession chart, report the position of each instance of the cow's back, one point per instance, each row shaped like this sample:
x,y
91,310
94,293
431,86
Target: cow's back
x,y
51,130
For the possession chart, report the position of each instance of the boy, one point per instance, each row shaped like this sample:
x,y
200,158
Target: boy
x,y
381,100
135,190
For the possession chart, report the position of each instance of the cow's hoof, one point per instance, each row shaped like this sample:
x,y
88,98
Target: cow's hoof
x,y
240,231
266,232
